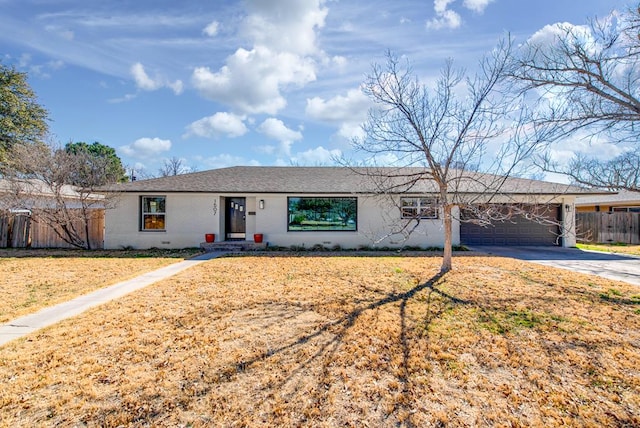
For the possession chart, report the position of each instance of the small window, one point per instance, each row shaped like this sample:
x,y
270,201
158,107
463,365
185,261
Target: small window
x,y
419,207
153,213
625,209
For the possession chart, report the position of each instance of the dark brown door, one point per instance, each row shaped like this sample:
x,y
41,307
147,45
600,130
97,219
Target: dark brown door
x,y
236,224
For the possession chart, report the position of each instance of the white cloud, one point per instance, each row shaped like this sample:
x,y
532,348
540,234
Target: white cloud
x,y
384,159
143,81
146,147
477,5
212,29
441,5
598,147
177,87
349,131
448,18
227,160
550,35
348,112
147,83
317,156
251,81
283,55
547,35
220,124
277,130
353,106
285,25
340,61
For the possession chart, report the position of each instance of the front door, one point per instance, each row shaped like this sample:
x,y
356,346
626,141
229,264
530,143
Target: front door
x,y
236,224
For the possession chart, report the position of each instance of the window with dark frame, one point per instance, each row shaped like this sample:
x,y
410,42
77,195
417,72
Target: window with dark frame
x,y
423,208
153,213
322,214
625,209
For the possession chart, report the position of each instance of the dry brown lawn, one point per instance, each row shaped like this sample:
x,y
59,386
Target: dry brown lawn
x,y
33,279
339,341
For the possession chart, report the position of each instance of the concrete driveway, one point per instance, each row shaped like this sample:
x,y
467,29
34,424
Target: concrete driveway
x,y
611,266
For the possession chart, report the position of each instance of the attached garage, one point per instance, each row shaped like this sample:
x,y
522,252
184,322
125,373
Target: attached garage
x,y
518,230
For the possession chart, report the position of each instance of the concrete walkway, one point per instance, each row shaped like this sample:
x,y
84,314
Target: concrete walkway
x,y
24,325
619,267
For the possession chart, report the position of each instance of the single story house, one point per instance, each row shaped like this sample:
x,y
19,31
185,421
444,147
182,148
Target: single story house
x,y
328,206
610,218
622,201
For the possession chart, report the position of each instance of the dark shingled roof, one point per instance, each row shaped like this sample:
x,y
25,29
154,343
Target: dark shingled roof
x,y
329,180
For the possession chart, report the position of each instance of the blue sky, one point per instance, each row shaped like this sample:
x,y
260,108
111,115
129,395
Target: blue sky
x,y
256,82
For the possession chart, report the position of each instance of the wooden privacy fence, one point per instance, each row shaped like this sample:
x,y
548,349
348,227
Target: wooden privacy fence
x,y
24,231
608,227
15,230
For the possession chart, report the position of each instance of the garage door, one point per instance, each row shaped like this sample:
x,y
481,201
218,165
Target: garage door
x,y
516,231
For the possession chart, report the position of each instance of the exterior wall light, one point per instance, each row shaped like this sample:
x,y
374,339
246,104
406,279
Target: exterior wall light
x,y
261,204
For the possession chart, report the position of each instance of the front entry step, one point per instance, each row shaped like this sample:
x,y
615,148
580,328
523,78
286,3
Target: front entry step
x,y
233,246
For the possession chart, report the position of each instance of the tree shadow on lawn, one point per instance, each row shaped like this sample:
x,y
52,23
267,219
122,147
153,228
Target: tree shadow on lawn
x,y
338,331
499,315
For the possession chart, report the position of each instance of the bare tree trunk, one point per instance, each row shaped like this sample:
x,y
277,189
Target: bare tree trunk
x,y
447,258
87,218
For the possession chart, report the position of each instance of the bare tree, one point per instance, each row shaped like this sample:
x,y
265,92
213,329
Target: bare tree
x,y
174,166
589,80
619,173
42,180
441,137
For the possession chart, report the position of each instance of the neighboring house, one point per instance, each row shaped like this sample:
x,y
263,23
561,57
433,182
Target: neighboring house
x,y
26,219
622,201
327,206
610,218
31,194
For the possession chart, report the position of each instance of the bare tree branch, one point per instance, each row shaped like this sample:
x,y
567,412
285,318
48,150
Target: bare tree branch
x,y
588,79
446,137
174,166
41,182
620,173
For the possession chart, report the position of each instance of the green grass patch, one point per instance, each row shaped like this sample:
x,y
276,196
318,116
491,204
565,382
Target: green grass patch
x,y
503,322
618,248
615,296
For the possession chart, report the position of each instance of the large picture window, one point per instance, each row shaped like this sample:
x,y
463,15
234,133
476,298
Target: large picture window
x,y
153,213
322,214
419,207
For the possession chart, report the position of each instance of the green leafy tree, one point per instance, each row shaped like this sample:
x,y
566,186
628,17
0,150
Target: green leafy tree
x,y
96,165
22,119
